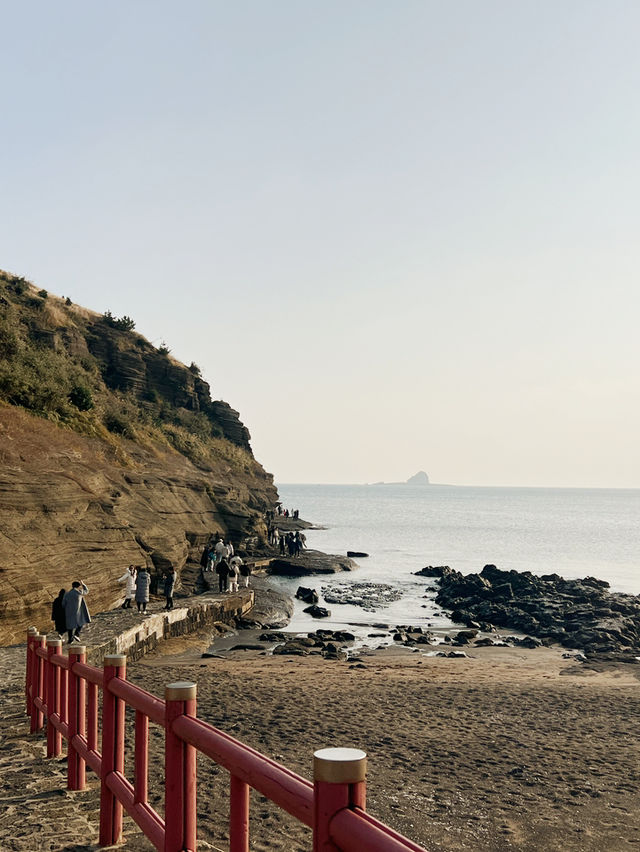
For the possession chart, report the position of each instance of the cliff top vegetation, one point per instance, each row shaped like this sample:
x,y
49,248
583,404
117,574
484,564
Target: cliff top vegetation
x,y
94,374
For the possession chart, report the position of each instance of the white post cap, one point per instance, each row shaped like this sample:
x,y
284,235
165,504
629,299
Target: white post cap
x,y
340,765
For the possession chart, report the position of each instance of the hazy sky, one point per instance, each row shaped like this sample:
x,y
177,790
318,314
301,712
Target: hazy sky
x,y
394,235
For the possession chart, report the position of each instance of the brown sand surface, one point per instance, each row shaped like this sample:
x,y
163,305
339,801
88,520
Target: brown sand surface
x,y
508,750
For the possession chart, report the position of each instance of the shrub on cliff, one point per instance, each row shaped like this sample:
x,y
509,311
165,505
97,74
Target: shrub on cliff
x,y
117,423
81,397
123,323
9,341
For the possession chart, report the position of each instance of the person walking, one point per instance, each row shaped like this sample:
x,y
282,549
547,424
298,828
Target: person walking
x,y
129,577
57,614
221,551
169,585
143,581
233,575
245,572
204,558
76,611
222,570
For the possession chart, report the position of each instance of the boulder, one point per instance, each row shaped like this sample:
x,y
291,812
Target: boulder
x,y
309,596
465,636
433,571
316,611
291,648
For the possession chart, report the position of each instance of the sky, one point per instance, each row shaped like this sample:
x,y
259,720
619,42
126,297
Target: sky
x,y
395,236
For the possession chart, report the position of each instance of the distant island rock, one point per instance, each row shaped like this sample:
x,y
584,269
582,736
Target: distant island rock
x,y
419,478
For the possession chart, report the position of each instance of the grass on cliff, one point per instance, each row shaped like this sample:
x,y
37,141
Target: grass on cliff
x,y
47,368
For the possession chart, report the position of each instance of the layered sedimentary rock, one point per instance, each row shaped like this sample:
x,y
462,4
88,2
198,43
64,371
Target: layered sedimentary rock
x,y
70,509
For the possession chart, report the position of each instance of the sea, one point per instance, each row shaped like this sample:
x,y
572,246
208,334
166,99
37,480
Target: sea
x,y
569,531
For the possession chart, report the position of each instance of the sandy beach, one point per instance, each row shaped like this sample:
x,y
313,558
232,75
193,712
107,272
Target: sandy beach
x,y
508,749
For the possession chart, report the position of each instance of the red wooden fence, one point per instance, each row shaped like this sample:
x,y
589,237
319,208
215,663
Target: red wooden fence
x,y
63,690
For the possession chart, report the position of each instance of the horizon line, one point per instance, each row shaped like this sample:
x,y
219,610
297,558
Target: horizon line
x,y
467,485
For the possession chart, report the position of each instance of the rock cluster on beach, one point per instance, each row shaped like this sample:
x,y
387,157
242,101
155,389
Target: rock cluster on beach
x,y
325,643
581,614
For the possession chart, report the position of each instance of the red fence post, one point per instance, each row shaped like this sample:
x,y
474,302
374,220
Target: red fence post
x,y
38,684
64,694
239,816
115,666
32,632
76,773
92,717
141,758
339,782
179,772
54,737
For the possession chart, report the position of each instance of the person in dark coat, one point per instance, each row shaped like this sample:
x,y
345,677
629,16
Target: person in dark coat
x,y
57,614
143,581
222,570
75,609
169,585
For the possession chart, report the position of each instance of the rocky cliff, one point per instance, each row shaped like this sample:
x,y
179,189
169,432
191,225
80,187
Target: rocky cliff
x,y
111,453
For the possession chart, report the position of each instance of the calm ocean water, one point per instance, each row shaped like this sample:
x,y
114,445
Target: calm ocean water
x,y
573,532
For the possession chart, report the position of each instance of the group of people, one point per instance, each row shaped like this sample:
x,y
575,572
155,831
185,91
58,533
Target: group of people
x,y
69,612
220,558
138,583
287,543
283,513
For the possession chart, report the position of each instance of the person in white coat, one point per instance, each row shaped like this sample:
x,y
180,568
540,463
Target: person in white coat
x,y
221,551
233,576
236,563
129,577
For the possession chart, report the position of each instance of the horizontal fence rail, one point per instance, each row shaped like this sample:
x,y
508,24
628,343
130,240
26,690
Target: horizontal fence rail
x,y
62,693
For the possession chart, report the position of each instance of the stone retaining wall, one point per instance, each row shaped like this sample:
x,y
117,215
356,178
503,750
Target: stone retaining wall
x,y
128,632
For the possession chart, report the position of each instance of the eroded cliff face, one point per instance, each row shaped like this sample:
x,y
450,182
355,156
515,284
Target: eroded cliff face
x,y
70,509
111,453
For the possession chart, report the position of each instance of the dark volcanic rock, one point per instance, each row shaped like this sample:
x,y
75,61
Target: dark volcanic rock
x,y
433,571
356,554
309,596
292,647
316,611
575,613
